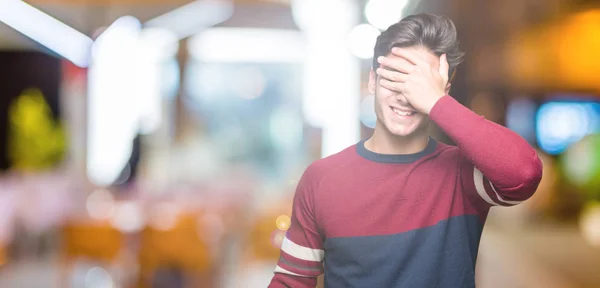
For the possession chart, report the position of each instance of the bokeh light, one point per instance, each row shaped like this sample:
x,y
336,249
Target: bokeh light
x,y
362,39
128,217
277,238
560,124
581,164
383,13
590,224
164,216
283,222
98,277
100,204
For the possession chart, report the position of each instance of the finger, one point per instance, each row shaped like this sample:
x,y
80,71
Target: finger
x,y
409,56
444,67
392,86
399,65
392,75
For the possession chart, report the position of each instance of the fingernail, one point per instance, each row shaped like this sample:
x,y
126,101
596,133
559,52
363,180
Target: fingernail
x,y
380,59
395,50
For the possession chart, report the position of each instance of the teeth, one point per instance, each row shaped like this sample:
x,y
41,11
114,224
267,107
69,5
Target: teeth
x,y
403,113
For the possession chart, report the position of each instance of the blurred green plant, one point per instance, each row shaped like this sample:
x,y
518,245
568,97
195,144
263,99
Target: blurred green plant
x,y
35,140
581,166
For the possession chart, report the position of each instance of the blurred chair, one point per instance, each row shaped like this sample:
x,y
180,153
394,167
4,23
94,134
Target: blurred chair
x,y
94,241
175,252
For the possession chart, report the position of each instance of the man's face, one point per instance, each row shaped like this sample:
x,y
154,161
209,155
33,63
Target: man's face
x,y
394,112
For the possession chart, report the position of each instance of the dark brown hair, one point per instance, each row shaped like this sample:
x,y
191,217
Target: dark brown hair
x,y
436,33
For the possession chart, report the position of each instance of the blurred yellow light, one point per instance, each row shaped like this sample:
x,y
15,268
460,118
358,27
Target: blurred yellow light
x,y
561,55
283,222
577,47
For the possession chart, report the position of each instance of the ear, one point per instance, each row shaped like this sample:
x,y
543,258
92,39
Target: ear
x,y
448,88
372,82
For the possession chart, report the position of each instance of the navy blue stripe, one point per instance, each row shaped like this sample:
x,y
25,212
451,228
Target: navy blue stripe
x,y
443,255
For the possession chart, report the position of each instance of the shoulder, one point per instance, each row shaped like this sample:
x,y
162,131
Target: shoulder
x,y
322,168
447,152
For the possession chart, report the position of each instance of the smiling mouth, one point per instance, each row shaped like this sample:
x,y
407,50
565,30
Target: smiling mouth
x,y
403,112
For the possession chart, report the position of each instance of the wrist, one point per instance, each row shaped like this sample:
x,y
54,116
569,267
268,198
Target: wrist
x,y
434,102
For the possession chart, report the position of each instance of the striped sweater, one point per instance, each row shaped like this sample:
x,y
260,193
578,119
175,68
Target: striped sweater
x,y
373,220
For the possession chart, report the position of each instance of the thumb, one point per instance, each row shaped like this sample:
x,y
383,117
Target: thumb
x,y
444,67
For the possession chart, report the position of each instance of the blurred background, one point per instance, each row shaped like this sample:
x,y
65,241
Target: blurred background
x,y
158,143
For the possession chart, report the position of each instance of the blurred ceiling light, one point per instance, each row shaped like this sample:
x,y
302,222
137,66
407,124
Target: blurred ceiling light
x,y
113,117
159,43
247,45
193,17
383,13
46,30
326,25
156,46
126,28
362,40
316,14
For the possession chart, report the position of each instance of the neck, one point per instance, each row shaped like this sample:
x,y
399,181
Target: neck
x,y
384,142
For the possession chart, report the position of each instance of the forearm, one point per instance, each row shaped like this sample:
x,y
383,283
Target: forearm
x,y
503,157
285,281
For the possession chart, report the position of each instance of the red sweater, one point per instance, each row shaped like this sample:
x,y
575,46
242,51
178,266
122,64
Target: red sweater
x,y
405,220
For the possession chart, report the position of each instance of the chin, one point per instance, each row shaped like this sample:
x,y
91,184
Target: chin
x,y
406,128
402,131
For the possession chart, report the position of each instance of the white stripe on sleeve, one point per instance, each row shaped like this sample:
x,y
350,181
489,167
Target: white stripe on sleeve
x,y
278,269
301,252
478,178
502,200
479,186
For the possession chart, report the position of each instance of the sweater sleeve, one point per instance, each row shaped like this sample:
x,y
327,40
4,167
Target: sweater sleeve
x,y
497,164
301,258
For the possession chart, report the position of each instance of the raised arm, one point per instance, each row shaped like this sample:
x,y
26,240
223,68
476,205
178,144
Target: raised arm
x,y
498,164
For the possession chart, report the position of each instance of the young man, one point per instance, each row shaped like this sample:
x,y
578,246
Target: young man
x,y
400,209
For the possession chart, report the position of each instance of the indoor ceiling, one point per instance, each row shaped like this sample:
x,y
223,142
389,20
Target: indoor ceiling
x,y
87,16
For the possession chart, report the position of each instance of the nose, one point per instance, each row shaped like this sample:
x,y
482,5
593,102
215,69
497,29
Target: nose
x,y
402,100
